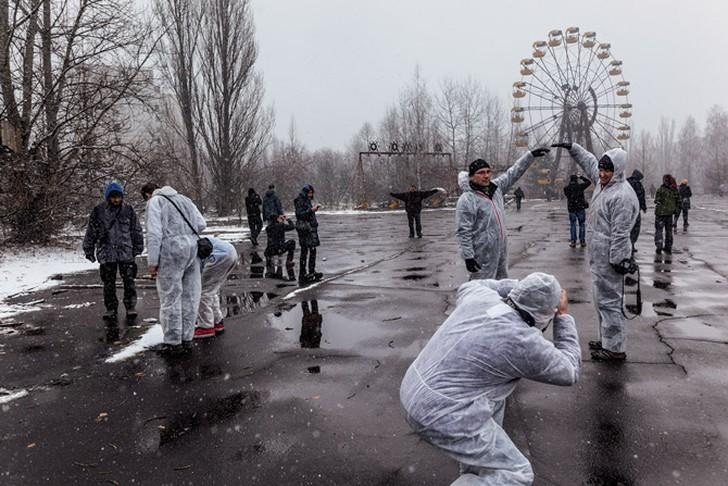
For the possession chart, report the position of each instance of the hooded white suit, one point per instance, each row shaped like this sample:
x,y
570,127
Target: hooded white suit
x,y
454,393
481,221
610,218
172,247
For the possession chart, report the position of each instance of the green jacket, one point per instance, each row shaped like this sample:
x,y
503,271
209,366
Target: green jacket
x,y
667,201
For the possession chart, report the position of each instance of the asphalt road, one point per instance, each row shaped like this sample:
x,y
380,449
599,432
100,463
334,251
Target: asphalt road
x,y
304,388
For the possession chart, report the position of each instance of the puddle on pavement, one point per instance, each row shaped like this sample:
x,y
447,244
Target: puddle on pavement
x,y
238,303
208,413
412,269
305,324
415,276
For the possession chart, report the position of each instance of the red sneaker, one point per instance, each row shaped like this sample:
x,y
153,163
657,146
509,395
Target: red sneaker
x,y
204,332
220,327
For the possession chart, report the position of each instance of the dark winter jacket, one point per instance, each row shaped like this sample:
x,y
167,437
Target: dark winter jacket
x,y
635,181
306,222
271,205
252,204
667,201
518,194
685,195
277,237
113,233
574,192
413,199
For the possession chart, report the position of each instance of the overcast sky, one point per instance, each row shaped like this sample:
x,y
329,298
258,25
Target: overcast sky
x,y
334,64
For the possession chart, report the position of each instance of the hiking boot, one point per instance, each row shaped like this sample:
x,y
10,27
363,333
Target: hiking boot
x,y
608,356
658,250
219,327
572,244
317,275
595,345
110,315
668,251
583,244
131,313
204,332
169,350
187,346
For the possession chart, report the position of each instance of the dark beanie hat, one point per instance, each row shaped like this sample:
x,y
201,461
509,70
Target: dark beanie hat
x,y
605,163
573,178
476,165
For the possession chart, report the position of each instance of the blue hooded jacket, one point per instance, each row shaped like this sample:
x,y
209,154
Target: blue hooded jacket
x,y
113,186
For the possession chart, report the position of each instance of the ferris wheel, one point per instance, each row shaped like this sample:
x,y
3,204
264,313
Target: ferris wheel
x,y
571,90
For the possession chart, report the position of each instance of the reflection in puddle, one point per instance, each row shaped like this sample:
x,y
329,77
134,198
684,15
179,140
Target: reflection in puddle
x,y
314,370
661,285
311,322
304,324
236,304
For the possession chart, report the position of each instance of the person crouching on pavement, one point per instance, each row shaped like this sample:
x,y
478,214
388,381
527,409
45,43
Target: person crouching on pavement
x,y
278,245
215,270
611,217
307,229
114,238
454,393
172,221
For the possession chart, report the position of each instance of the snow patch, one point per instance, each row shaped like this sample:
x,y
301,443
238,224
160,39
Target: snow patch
x,y
28,269
152,337
78,306
7,396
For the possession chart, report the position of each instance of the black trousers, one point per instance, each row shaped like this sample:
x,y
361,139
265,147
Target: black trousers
x,y
310,253
256,225
128,272
684,212
288,247
413,219
663,227
635,233
518,204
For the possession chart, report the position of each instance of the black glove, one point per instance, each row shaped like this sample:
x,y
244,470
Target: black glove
x,y
90,257
472,265
566,145
540,152
625,266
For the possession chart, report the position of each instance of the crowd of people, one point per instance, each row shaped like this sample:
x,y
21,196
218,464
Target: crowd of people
x,y
454,393
189,269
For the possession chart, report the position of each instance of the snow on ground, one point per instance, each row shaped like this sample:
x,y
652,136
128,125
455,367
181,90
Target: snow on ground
x,y
7,396
25,270
152,337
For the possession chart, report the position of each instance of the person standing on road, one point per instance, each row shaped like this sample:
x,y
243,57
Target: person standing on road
x,y
480,216
576,205
685,195
172,259
255,222
635,181
413,207
271,204
307,229
278,245
519,195
215,270
454,393
653,190
667,205
114,238
611,217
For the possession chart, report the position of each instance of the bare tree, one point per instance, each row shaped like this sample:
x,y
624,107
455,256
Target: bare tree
x,y
71,75
716,148
235,125
665,143
689,149
181,21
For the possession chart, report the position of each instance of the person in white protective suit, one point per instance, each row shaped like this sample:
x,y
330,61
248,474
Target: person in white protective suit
x,y
480,216
215,270
454,393
172,260
610,218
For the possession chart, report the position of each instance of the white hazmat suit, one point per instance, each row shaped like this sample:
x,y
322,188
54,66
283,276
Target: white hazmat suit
x,y
215,269
454,393
610,218
481,221
172,246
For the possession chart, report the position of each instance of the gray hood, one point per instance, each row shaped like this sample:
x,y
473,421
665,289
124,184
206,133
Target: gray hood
x,y
164,191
